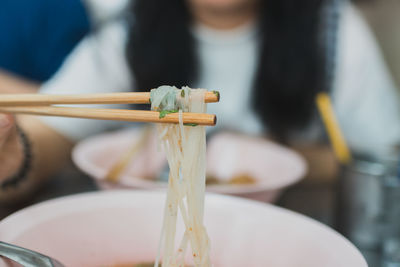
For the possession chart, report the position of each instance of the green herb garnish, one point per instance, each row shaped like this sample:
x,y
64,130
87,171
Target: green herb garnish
x,y
165,112
191,124
182,93
216,93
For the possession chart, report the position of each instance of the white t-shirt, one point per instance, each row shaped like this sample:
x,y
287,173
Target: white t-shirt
x,y
364,95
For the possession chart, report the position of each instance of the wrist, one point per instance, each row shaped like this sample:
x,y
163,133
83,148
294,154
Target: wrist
x,y
19,161
11,156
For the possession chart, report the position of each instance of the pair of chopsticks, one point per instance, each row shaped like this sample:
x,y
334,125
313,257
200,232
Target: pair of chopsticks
x,y
336,137
42,104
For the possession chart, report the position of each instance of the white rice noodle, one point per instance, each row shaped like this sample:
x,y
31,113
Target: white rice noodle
x,y
185,148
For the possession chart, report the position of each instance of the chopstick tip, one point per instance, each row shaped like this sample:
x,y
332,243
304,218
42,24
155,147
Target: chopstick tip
x,y
217,94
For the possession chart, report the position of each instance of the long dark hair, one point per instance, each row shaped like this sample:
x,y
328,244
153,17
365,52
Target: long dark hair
x,y
291,67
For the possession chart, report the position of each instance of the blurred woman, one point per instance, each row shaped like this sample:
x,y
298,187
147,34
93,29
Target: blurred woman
x,y
269,59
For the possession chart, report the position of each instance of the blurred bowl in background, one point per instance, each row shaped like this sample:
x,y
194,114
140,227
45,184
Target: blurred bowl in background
x,y
271,167
120,227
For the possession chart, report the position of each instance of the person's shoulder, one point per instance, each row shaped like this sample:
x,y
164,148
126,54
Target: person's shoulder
x,y
352,25
356,52
356,44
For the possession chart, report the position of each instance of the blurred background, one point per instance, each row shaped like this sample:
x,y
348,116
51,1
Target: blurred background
x,y
361,200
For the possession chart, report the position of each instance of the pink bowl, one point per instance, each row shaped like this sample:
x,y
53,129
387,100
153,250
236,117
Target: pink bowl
x,y
106,228
273,166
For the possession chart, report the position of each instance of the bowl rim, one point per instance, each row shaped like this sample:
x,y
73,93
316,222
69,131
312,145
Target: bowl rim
x,y
122,194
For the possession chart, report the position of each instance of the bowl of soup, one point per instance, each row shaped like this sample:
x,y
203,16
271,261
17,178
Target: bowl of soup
x,y
238,165
122,228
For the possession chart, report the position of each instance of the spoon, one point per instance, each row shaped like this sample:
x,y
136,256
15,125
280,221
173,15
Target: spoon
x,y
26,257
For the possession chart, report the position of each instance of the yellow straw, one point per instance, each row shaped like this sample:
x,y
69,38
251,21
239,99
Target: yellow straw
x,y
338,142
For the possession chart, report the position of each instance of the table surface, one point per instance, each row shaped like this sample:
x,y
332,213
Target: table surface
x,y
315,201
68,181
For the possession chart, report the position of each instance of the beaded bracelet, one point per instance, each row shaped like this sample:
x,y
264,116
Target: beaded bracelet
x,y
26,165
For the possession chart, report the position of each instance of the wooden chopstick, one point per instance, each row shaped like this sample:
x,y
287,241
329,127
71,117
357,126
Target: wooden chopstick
x,y
114,173
113,114
105,98
336,137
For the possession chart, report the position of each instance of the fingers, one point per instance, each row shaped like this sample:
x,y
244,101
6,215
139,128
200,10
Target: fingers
x,y
6,126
